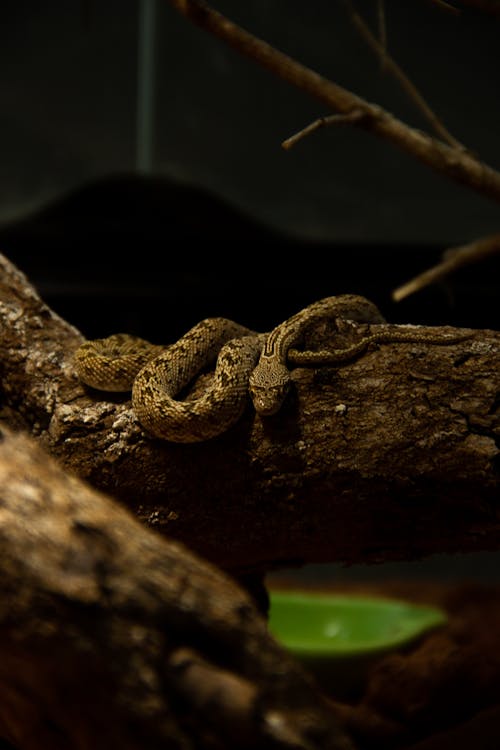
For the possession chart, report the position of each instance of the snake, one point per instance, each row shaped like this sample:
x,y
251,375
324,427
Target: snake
x,y
247,363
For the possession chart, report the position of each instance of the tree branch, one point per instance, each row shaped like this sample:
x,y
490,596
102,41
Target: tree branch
x,y
455,258
321,122
390,65
114,637
392,455
454,163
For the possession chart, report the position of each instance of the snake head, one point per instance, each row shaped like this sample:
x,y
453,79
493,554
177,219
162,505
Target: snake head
x,y
268,385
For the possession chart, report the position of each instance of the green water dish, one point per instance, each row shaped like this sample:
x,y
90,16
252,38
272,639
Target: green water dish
x,y
338,637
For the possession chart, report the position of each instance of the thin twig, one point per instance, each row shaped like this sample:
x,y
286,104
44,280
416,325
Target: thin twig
x,y
392,67
455,258
322,122
443,5
454,163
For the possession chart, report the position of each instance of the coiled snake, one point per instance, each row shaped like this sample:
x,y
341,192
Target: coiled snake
x,y
246,362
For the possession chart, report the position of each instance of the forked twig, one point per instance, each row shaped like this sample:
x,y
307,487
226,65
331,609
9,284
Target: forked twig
x,y
455,163
391,66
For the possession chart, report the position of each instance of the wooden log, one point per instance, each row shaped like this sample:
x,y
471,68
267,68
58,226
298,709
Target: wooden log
x,y
114,637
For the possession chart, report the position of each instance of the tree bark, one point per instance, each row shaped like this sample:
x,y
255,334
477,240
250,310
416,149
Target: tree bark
x,y
113,637
393,455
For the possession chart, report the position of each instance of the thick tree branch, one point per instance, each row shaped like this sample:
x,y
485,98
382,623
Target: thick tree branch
x,y
392,455
112,637
452,162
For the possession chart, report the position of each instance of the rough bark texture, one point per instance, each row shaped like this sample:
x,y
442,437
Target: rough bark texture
x,y
393,455
113,637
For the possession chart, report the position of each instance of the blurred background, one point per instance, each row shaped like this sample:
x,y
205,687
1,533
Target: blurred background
x,y
143,185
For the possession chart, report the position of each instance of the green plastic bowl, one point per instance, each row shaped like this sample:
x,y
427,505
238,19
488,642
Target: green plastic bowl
x,y
339,637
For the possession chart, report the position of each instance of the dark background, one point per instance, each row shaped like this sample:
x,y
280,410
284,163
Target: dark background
x,y
220,220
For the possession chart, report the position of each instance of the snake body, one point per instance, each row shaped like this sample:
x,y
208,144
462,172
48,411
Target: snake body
x,y
246,363
112,363
156,374
236,350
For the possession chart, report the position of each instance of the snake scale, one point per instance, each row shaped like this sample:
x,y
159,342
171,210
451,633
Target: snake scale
x,y
246,362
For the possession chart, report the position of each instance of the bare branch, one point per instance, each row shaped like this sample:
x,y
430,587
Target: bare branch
x,y
455,258
454,163
443,5
322,122
380,49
